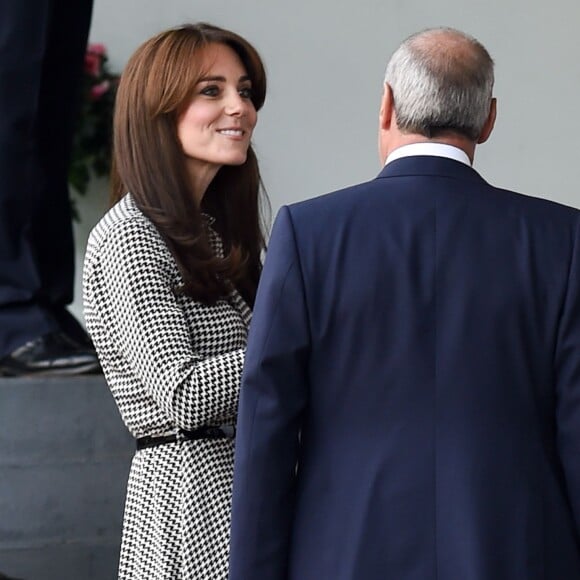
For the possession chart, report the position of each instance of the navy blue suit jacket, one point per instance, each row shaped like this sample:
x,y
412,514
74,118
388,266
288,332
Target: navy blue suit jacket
x,y
410,407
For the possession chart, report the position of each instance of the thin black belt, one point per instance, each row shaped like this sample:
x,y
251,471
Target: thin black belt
x,y
221,432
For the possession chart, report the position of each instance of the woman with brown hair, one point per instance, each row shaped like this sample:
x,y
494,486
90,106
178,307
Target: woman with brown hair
x,y
170,276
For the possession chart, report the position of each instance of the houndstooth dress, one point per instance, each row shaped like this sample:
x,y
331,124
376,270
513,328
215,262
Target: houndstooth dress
x,y
170,362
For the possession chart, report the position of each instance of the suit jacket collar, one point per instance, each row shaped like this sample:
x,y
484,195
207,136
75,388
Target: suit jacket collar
x,y
426,165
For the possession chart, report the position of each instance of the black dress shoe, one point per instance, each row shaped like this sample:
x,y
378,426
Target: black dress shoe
x,y
51,354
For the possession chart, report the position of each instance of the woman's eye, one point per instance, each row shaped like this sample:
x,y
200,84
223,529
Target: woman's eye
x,y
246,93
211,91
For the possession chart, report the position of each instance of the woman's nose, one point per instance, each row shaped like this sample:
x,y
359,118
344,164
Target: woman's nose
x,y
235,104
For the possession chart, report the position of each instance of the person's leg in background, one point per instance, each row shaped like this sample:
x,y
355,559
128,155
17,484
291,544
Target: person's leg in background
x,y
42,46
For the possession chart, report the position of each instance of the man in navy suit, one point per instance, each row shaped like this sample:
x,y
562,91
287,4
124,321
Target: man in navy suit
x,y
410,408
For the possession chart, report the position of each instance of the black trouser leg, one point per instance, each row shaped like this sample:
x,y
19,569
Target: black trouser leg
x,y
42,45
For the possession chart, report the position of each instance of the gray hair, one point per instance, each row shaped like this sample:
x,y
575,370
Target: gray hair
x,y
442,80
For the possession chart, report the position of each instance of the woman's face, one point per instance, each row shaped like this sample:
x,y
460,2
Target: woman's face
x,y
216,126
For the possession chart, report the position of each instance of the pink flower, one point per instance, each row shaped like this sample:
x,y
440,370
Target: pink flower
x,y
99,90
93,64
97,48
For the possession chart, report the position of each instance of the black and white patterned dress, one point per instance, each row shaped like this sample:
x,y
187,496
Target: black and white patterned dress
x,y
171,362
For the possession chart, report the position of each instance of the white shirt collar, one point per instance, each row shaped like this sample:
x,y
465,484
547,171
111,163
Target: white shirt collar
x,y
433,149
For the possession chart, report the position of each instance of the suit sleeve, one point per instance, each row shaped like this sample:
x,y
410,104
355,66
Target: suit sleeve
x,y
568,384
148,325
273,398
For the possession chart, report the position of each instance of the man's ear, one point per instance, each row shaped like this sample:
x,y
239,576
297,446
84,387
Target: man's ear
x,y
387,108
489,123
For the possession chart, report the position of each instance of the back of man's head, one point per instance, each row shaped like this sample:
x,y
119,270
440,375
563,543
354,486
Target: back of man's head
x,y
442,81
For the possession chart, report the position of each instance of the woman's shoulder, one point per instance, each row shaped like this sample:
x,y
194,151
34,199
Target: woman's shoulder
x,y
122,220
124,231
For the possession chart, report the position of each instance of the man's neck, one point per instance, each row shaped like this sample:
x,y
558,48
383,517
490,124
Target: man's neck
x,y
452,139
430,149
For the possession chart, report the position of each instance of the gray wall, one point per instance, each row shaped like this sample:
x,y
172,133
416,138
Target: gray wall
x,y
64,460
326,58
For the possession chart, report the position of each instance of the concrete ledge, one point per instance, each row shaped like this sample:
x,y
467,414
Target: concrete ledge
x,y
64,458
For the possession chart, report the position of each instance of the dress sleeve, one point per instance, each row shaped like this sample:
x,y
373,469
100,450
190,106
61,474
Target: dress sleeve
x,y
152,334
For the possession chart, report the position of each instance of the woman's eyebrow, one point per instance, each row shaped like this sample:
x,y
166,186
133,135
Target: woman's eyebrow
x,y
221,79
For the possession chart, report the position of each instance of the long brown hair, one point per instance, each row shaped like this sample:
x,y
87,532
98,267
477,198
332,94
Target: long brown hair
x,y
149,162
